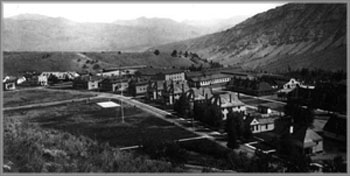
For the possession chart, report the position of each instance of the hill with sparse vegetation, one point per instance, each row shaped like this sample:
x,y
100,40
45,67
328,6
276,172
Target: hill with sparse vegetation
x,y
16,63
291,36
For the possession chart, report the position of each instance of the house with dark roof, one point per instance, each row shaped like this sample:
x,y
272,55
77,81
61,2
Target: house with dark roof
x,y
114,84
87,82
250,87
301,138
335,128
173,90
155,90
166,92
138,87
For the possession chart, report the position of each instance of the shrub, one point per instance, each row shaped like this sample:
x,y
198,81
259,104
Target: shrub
x,y
96,66
33,149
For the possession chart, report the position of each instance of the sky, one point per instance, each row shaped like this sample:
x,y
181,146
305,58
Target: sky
x,y
109,11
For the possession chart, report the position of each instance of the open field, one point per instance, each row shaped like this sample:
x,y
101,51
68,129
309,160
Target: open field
x,y
103,125
26,97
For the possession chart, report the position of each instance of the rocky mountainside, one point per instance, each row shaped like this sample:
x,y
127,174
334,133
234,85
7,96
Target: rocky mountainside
x,y
31,32
290,36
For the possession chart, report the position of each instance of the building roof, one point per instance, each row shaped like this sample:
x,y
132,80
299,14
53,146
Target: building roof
x,y
9,79
264,86
157,83
230,99
115,79
199,94
209,77
336,124
236,73
88,78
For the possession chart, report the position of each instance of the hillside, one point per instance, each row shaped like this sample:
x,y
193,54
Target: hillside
x,y
16,63
31,32
290,36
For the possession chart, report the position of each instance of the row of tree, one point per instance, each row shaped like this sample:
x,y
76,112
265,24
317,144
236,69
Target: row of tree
x,y
317,75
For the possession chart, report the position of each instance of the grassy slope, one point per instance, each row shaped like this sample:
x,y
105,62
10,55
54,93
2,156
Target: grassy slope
x,y
145,58
20,98
29,148
15,63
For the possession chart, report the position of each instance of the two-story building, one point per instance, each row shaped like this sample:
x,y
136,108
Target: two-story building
x,y
227,101
60,75
114,84
162,74
173,90
87,82
138,87
216,80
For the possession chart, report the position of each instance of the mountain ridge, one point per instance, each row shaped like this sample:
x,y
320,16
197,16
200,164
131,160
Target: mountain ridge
x,y
33,32
265,40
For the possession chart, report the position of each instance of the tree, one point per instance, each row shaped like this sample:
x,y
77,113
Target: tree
x,y
300,115
96,66
186,54
231,130
182,106
52,79
156,52
174,53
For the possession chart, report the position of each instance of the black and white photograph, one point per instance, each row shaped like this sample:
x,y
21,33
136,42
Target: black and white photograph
x,y
227,87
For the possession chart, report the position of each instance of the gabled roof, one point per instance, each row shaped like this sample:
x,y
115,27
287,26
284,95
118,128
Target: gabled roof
x,y
9,79
178,87
229,99
199,94
336,124
264,86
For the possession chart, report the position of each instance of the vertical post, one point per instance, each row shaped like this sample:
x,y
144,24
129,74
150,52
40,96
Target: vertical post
x,y
121,102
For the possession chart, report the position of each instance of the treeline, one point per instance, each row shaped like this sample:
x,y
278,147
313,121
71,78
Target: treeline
x,y
316,75
326,96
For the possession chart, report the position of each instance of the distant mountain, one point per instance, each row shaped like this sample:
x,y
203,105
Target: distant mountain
x,y
290,36
215,25
32,32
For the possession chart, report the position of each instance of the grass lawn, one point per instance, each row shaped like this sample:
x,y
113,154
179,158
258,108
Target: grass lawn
x,y
104,125
26,97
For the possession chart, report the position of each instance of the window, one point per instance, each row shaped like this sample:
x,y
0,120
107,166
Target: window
x,y
256,127
267,126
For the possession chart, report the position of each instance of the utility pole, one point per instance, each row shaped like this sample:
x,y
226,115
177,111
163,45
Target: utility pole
x,y
121,93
